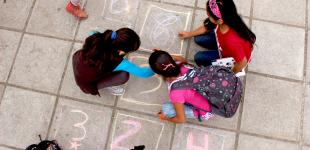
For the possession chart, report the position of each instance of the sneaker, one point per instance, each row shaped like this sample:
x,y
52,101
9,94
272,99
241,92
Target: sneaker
x,y
76,11
116,90
207,116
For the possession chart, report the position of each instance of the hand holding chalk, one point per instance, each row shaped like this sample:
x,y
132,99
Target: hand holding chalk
x,y
184,35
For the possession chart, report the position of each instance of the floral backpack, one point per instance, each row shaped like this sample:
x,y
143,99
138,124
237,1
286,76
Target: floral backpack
x,y
218,84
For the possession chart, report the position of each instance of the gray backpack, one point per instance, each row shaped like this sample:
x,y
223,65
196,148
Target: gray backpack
x,y
217,84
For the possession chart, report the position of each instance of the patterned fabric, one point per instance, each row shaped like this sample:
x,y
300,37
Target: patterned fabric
x,y
217,84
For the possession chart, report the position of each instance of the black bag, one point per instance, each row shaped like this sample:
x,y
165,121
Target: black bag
x,y
44,145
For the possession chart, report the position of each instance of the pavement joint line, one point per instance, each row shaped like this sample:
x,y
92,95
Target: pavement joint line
x,y
63,75
112,119
180,5
191,29
279,23
10,147
244,86
49,36
60,96
31,89
11,29
303,100
306,144
18,47
172,136
301,126
269,137
276,77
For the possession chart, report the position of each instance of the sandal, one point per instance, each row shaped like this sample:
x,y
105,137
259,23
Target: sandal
x,y
76,11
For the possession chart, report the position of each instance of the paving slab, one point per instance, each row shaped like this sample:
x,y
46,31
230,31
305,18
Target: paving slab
x,y
40,63
190,3
8,47
52,19
145,95
243,7
81,126
279,50
159,24
5,148
130,129
306,123
266,111
71,89
98,17
277,10
247,142
305,148
20,110
189,137
14,13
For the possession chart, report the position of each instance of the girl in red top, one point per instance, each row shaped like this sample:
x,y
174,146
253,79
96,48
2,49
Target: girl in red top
x,y
230,38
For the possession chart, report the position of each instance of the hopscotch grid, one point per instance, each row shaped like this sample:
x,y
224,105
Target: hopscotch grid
x,y
171,11
139,118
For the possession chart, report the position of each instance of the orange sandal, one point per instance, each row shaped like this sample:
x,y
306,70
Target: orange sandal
x,y
76,11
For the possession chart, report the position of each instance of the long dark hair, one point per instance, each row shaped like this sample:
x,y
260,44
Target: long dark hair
x,y
100,49
232,19
163,64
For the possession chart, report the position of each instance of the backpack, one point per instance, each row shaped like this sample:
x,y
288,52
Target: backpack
x,y
43,145
218,84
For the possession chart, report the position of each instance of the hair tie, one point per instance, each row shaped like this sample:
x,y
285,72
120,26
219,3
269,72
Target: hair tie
x,y
113,35
215,8
167,66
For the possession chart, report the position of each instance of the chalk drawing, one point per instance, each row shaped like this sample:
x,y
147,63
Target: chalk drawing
x,y
161,34
121,11
167,24
208,133
136,125
191,146
160,82
75,142
119,6
136,128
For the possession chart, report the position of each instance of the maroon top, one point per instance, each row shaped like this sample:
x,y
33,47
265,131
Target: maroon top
x,y
87,75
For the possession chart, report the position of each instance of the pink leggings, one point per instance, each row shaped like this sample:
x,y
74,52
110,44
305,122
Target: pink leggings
x,y
75,2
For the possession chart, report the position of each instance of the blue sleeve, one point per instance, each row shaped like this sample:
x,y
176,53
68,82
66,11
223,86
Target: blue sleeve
x,y
143,72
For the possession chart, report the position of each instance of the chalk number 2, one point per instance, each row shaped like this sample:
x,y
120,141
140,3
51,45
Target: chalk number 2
x,y
136,126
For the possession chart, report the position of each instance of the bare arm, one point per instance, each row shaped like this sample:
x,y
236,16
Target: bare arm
x,y
180,115
200,30
238,66
179,58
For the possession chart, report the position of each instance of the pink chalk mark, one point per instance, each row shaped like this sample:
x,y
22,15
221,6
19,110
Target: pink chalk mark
x,y
190,143
74,145
136,127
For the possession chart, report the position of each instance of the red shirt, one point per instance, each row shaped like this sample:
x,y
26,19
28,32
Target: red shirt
x,y
233,45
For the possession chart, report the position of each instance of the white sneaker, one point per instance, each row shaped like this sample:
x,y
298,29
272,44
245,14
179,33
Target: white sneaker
x,y
207,116
116,90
